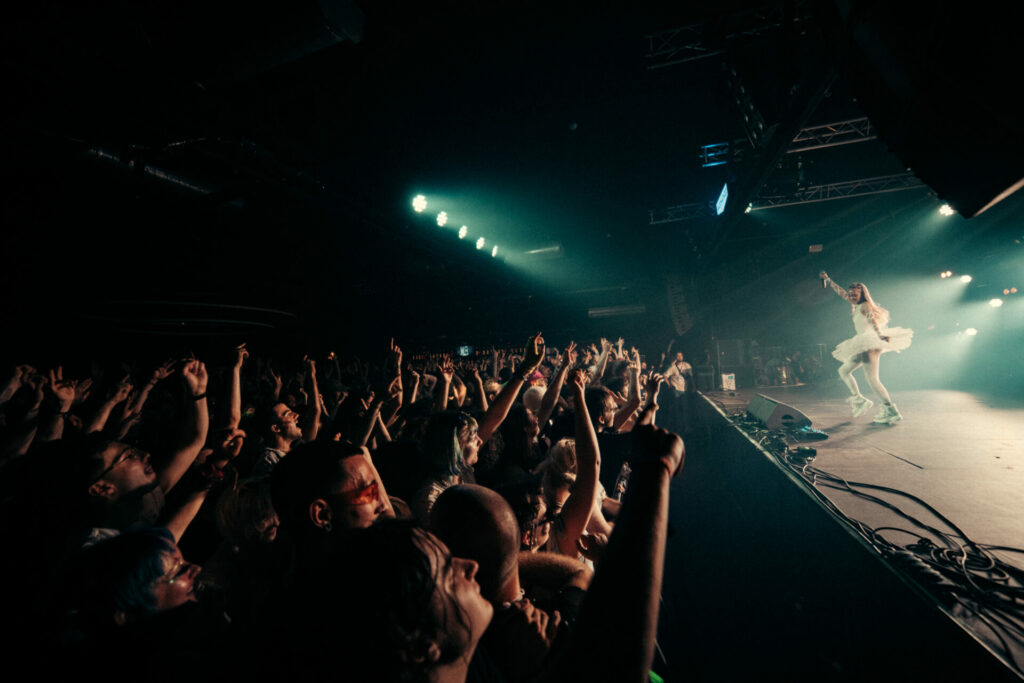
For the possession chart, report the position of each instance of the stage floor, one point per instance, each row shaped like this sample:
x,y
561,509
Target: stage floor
x,y
961,454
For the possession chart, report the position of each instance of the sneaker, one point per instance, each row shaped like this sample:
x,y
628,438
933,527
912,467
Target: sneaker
x,y
888,415
860,404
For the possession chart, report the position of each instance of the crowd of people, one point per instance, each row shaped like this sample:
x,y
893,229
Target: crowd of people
x,y
432,518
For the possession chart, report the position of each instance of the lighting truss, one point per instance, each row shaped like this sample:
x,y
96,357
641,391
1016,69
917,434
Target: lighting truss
x,y
849,188
681,212
833,135
695,41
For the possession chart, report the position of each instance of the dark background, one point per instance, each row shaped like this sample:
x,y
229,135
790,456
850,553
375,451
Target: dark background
x,y
192,175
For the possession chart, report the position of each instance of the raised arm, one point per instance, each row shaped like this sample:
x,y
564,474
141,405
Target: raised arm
x,y
447,368
498,410
233,417
481,394
835,288
194,426
18,375
134,405
629,408
62,395
547,404
314,407
115,395
577,509
602,362
627,584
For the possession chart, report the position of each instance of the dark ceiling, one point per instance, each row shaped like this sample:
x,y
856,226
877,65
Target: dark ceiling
x,y
212,156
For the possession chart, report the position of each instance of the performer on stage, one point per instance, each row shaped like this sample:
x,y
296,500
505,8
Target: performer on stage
x,y
873,339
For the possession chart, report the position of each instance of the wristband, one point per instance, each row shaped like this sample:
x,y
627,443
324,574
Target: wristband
x,y
198,397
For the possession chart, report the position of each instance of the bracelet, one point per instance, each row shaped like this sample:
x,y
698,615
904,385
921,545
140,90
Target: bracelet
x,y
199,397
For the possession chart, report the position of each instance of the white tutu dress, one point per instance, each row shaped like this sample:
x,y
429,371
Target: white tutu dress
x,y
867,339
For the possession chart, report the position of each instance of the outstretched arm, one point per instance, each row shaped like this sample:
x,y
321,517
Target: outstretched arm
x,y
547,404
498,410
835,288
194,426
577,509
233,417
628,581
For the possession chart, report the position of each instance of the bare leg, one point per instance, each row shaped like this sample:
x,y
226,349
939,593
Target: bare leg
x,y
871,371
846,374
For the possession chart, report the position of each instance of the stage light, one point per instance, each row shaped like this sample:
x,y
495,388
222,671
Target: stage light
x,y
1013,290
1006,292
463,231
494,252
723,197
965,278
442,218
945,274
970,332
480,243
995,303
419,203
946,210
750,207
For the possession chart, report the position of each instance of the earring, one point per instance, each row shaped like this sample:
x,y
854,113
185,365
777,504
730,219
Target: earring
x,y
327,526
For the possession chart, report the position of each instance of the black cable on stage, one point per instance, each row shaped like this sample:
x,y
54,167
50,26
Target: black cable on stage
x,y
965,576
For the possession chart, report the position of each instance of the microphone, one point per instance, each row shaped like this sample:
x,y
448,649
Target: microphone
x,y
824,282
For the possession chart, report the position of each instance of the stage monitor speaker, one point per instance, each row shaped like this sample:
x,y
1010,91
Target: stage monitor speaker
x,y
775,414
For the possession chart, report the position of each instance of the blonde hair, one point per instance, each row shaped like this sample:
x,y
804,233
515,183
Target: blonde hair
x,y
532,398
561,460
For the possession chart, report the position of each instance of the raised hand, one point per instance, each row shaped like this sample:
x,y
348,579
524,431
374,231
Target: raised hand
x,y
447,369
193,374
653,387
823,275
82,390
652,443
395,388
63,390
120,391
241,354
310,367
578,382
570,354
274,379
533,355
163,371
395,354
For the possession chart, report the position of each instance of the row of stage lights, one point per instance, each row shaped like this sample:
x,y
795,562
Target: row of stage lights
x,y
994,303
419,205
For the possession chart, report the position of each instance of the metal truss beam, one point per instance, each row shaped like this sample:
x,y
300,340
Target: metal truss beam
x,y
843,190
681,212
699,41
833,135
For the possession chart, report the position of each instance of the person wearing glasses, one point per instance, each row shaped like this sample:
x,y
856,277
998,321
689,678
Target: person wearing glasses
x,y
126,490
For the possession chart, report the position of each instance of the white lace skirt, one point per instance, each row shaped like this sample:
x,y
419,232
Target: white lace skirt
x,y
899,339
